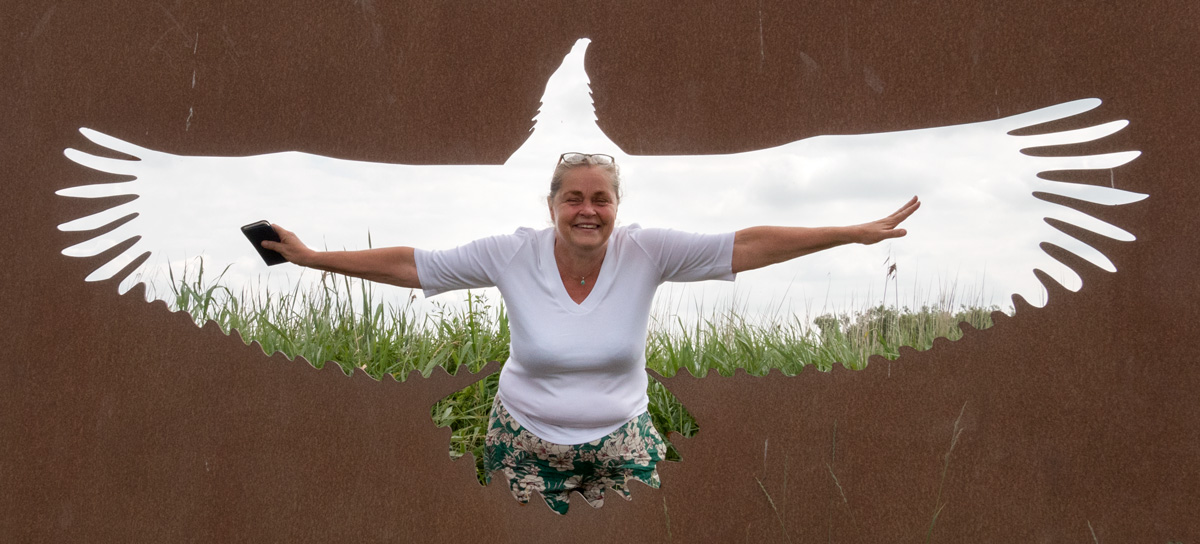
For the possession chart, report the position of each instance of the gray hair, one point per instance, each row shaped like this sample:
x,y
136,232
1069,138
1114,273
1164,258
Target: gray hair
x,y
614,175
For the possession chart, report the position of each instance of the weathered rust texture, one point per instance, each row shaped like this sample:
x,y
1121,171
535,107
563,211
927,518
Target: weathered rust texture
x,y
122,422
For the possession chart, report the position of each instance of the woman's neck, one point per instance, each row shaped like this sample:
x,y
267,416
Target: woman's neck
x,y
578,262
578,270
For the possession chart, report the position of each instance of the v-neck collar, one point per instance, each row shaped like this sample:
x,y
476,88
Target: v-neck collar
x,y
559,291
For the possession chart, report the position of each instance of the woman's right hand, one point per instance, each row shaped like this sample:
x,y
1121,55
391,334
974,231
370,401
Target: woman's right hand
x,y
289,245
390,265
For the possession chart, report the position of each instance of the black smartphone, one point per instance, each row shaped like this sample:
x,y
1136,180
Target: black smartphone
x,y
259,231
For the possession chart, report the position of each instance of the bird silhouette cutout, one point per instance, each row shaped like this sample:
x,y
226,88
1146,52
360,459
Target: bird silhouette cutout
x,y
981,224
984,221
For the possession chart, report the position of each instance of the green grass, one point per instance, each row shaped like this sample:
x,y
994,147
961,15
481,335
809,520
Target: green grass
x,y
342,320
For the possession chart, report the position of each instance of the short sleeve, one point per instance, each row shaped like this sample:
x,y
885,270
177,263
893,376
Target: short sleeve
x,y
474,265
688,256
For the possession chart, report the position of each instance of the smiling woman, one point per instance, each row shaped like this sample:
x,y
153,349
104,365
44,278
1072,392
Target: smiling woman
x,y
570,412
584,194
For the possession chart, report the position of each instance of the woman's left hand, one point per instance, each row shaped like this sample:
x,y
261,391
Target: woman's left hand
x,y
757,247
884,229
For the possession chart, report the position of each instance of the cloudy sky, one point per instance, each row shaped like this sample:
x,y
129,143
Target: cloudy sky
x,y
975,239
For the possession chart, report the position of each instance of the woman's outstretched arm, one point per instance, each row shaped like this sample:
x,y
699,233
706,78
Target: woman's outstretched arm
x,y
391,265
757,247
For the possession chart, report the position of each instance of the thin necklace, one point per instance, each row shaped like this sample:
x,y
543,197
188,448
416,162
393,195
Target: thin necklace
x,y
583,278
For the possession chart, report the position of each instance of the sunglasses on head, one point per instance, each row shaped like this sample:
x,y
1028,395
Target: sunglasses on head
x,y
574,157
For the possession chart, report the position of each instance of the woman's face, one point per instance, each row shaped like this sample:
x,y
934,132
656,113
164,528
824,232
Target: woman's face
x,y
584,209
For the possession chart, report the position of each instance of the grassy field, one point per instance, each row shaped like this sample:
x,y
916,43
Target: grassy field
x,y
324,324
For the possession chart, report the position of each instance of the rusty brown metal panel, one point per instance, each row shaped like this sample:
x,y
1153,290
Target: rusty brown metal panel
x,y
123,422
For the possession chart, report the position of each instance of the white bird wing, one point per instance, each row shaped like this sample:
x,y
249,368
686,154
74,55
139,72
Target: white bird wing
x,y
190,207
980,227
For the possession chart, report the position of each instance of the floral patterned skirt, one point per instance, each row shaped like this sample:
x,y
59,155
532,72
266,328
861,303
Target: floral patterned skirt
x,y
555,470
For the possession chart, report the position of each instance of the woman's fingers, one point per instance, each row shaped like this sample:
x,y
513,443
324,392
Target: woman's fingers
x,y
885,228
900,215
289,245
906,210
283,233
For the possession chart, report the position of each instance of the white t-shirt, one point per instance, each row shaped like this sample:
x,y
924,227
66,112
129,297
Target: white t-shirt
x,y
576,372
